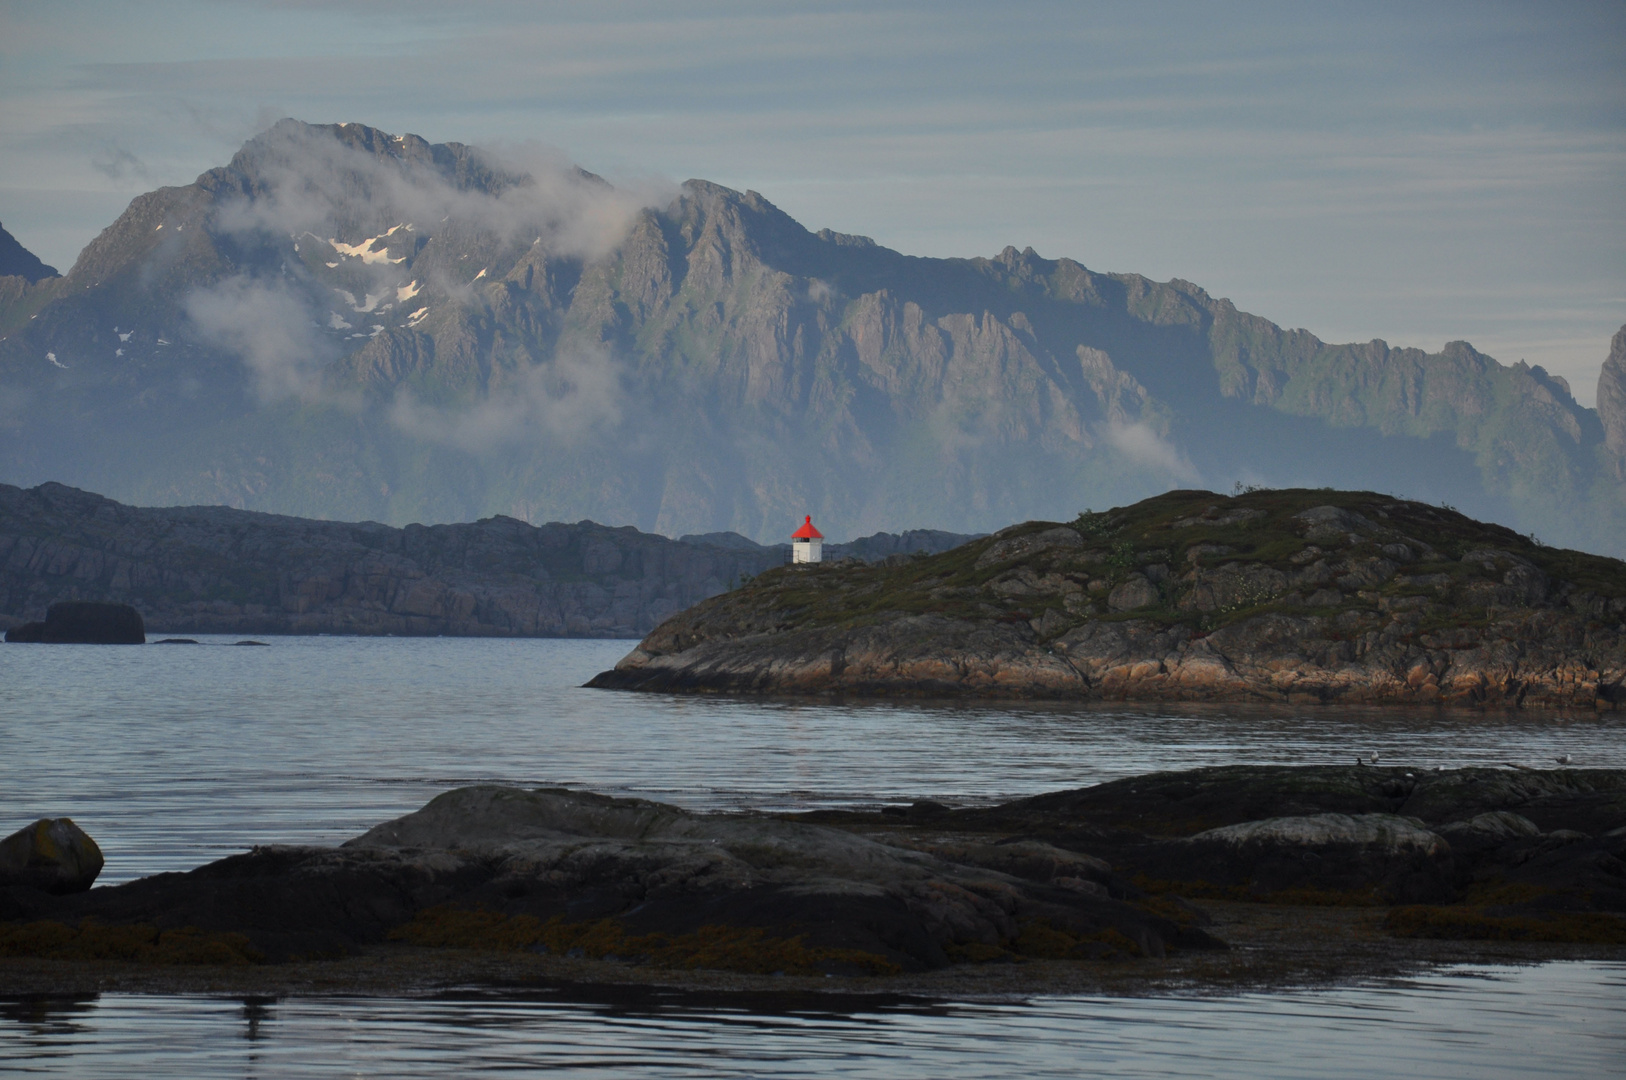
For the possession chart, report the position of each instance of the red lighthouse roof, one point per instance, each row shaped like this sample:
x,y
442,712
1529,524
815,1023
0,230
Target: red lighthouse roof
x,y
807,531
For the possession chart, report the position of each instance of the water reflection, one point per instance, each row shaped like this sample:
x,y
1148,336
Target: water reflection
x,y
255,1012
48,1015
1559,1020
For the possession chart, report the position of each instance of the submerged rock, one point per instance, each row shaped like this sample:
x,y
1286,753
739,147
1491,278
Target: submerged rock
x,y
52,855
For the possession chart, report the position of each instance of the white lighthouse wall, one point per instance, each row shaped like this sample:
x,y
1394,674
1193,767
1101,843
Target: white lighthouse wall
x,y
807,550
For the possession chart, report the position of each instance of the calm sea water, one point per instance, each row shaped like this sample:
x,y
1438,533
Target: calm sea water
x,y
1558,1020
173,756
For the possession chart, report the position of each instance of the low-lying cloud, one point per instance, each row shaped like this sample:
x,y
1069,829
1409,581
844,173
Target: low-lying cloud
x,y
313,181
563,401
1143,446
268,325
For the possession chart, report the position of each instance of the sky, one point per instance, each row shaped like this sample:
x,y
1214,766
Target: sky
x,y
1416,172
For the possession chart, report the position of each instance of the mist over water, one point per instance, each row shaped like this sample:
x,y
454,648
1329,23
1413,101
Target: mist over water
x,y
174,756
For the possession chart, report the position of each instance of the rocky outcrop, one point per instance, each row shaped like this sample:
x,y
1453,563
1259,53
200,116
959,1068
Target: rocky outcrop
x,y
53,855
1108,872
207,569
1390,856
82,622
1503,842
1304,596
504,859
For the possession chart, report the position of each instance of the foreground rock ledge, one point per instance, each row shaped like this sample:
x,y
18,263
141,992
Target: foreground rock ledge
x,y
1106,874
1273,596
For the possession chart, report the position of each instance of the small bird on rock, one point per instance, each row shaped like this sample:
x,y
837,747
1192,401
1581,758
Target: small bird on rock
x,y
1374,758
1563,759
1358,760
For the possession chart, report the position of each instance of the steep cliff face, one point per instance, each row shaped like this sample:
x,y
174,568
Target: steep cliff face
x,y
344,323
1312,596
1612,404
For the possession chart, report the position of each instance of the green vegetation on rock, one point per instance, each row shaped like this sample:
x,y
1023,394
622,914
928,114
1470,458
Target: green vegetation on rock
x,y
1284,595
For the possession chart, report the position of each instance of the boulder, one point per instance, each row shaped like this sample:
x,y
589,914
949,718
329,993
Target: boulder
x,y
53,855
84,622
1136,592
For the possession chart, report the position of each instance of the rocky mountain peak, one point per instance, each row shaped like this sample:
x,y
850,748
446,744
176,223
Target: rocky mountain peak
x,y
346,322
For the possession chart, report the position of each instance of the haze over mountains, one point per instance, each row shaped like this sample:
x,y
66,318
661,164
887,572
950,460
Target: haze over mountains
x,y
348,324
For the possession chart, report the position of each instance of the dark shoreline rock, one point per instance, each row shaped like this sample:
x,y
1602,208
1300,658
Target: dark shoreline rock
x,y
1300,596
1106,872
1526,842
83,622
494,860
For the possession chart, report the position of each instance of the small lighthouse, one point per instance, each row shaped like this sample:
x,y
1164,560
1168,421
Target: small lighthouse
x,y
806,543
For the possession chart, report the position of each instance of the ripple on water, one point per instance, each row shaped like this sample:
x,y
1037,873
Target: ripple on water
x,y
174,756
1553,1020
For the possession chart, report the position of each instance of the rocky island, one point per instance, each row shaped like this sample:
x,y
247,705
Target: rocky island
x,y
1218,876
1268,596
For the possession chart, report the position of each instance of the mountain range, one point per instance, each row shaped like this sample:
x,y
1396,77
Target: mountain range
x,y
342,323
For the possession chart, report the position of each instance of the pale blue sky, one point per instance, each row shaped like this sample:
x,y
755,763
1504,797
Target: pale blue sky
x,y
1416,172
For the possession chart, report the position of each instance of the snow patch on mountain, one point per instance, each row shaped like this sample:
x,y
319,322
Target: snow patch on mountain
x,y
367,251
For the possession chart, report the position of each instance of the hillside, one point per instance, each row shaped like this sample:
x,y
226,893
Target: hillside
x,y
211,569
344,323
1290,596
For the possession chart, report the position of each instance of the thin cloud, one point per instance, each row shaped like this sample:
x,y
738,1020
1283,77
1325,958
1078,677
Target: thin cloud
x,y
116,163
268,325
563,401
1143,447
